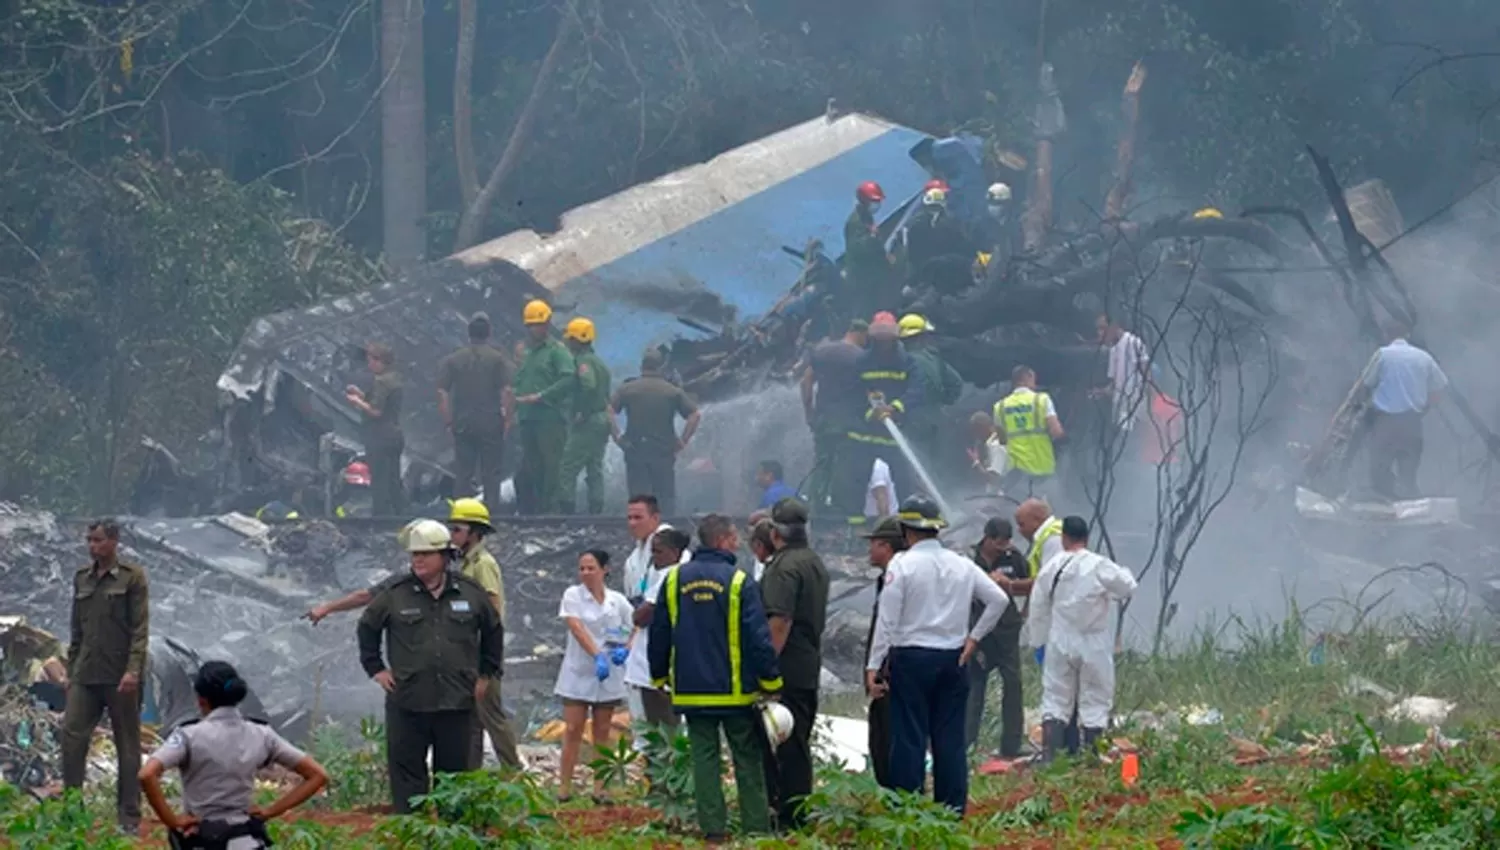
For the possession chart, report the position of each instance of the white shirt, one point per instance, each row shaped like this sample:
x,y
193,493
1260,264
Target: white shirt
x,y
1404,378
606,622
637,571
925,602
1128,362
638,666
880,477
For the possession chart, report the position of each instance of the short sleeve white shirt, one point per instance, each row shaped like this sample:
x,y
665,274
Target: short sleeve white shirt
x,y
880,478
607,622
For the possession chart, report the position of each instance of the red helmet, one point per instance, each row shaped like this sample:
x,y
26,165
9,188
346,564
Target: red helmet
x,y
884,317
357,474
869,191
936,183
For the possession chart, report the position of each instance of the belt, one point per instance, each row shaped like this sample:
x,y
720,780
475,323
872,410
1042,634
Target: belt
x,y
216,835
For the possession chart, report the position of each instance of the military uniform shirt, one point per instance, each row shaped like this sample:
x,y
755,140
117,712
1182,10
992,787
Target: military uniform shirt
x,y
795,586
482,567
219,757
591,398
475,378
385,396
111,625
437,647
547,371
651,404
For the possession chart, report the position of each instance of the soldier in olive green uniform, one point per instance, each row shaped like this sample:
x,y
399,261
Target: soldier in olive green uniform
x,y
106,664
544,389
382,433
444,644
588,433
475,400
651,405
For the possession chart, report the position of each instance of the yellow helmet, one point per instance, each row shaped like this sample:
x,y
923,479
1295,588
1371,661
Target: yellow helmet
x,y
471,511
425,535
1207,212
537,312
912,324
580,329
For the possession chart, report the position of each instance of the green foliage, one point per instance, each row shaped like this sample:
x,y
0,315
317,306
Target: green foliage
x,y
669,774
612,766
60,823
486,802
356,775
852,810
306,835
1449,800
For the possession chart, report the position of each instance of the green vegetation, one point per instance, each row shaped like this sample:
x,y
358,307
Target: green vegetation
x,y
1285,753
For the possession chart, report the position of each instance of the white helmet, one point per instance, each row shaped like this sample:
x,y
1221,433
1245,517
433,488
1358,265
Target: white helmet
x,y
998,193
778,721
425,535
934,198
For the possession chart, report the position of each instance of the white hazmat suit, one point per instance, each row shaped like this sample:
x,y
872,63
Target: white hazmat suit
x,y
1070,605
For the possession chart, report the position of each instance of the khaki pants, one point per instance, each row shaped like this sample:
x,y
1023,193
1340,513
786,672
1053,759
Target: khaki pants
x,y
489,716
86,705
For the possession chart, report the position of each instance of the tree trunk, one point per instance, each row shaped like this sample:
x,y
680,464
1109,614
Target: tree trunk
x,y
1114,204
403,132
463,106
472,223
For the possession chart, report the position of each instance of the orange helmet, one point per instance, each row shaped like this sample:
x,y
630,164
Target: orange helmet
x,y
869,191
884,317
357,474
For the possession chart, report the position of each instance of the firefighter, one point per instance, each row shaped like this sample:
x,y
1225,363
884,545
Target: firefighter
x,y
869,281
938,254
941,385
588,433
543,388
702,605
886,378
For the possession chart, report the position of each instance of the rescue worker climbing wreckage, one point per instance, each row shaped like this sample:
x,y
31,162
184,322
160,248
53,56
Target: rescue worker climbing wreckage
x,y
588,430
870,281
711,642
443,649
544,387
1070,613
219,757
887,383
922,630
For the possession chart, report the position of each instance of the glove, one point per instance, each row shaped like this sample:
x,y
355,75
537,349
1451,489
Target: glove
x,y
601,666
618,655
1041,654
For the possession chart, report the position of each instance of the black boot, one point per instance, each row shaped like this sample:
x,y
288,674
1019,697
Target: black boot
x,y
1052,739
1091,740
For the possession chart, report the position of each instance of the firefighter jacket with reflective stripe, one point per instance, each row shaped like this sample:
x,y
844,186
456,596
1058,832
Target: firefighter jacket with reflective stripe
x,y
1023,416
891,375
709,638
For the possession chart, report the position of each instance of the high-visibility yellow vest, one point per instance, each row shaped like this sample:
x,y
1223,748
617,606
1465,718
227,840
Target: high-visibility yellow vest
x,y
1021,415
737,697
1048,530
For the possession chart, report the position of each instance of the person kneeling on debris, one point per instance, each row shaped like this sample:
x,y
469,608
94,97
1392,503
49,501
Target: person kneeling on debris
x,y
1070,615
702,605
219,757
444,642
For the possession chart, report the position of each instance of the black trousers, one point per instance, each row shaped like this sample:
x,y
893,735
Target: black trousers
x,y
408,737
385,479
929,691
1395,442
1012,706
880,740
653,472
479,453
789,770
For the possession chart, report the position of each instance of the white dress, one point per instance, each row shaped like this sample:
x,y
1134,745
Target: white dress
x,y
606,622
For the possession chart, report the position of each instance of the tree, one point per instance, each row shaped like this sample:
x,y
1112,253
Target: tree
x,y
403,131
